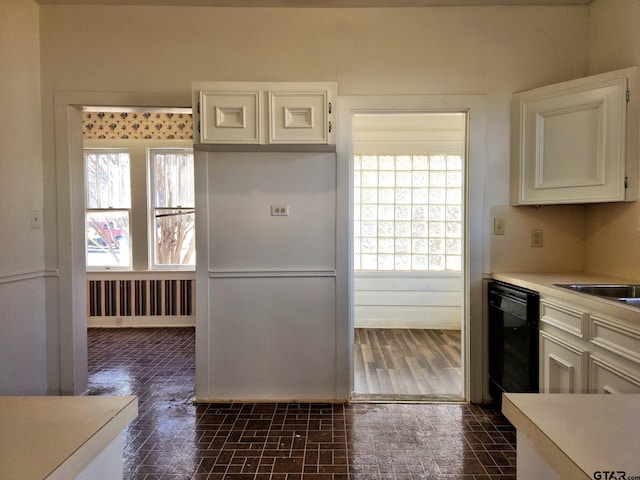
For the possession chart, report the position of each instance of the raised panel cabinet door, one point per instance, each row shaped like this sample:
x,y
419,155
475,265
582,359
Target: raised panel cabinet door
x,y
299,117
230,117
570,141
562,366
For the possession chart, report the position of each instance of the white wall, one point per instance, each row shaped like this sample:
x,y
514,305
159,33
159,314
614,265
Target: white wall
x,y
612,231
23,346
395,300
492,51
562,233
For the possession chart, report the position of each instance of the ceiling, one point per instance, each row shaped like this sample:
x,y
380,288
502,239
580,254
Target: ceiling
x,y
316,3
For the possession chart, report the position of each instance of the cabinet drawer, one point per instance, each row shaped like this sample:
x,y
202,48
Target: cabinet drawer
x,y
605,377
565,318
616,338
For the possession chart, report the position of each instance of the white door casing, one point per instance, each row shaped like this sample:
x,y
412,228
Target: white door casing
x,y
472,329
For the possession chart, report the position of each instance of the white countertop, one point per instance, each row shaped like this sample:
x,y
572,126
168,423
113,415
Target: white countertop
x,y
57,437
579,434
544,283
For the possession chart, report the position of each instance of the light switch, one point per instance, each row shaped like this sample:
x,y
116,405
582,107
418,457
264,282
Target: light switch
x,y
498,226
279,210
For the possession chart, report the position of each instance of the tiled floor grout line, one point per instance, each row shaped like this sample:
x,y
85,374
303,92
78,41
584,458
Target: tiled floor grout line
x,y
264,446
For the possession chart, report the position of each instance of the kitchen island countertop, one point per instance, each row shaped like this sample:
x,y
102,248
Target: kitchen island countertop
x,y
577,435
57,437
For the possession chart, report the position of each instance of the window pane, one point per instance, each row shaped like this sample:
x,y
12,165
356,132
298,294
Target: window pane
x,y
174,238
369,212
108,239
408,215
369,179
173,180
387,179
369,162
387,162
385,212
172,207
385,229
403,162
107,179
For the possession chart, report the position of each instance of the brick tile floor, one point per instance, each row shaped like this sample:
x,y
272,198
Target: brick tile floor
x,y
174,439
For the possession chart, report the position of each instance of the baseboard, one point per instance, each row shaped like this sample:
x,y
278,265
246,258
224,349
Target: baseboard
x,y
426,325
140,322
269,400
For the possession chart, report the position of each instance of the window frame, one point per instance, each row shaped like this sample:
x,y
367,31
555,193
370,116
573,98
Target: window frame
x,y
151,210
101,268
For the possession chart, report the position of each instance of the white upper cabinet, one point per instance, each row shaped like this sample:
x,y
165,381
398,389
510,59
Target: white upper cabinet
x,y
576,141
249,113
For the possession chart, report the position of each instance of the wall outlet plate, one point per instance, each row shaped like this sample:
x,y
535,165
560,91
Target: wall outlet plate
x,y
279,210
536,238
36,220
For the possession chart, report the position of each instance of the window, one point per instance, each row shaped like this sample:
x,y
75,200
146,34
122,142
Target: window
x,y
108,207
172,207
408,212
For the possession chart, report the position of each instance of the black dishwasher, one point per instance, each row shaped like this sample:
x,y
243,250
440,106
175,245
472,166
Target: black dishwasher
x,y
513,339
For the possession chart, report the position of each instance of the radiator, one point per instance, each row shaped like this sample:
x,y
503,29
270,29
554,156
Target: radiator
x,y
142,302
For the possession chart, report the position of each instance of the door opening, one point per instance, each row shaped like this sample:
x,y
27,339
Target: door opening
x,y
409,172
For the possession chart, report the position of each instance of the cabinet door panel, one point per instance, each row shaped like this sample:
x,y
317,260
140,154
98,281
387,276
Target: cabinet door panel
x,y
573,142
562,366
570,141
230,117
298,117
570,152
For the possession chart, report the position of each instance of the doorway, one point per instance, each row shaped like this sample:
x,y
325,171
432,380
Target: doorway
x,y
69,322
408,173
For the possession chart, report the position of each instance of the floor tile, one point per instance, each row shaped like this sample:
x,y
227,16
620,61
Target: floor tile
x,y
174,439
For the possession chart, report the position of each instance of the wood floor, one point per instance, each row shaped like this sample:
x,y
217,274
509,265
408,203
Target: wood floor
x,y
407,364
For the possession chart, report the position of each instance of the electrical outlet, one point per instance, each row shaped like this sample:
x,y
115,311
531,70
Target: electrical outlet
x,y
279,210
498,226
36,221
536,238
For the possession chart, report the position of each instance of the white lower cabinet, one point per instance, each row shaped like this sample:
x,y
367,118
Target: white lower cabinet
x,y
584,351
562,365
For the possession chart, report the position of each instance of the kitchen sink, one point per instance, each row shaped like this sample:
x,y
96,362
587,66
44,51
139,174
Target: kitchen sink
x,y
615,292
